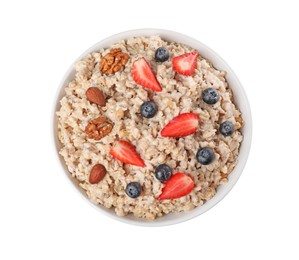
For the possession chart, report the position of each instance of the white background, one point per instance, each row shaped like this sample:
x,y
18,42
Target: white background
x,y
41,215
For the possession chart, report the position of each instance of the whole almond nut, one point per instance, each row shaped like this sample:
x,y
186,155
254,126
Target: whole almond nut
x,y
97,173
95,95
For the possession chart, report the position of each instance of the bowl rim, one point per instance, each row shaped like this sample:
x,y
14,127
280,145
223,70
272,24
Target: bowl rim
x,y
245,146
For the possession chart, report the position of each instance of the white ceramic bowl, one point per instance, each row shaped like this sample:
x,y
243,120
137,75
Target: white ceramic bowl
x,y
240,99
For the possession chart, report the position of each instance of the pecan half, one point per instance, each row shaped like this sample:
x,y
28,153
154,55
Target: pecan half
x,y
113,61
98,128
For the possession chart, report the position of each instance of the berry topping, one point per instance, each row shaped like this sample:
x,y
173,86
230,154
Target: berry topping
x,y
185,64
227,128
163,172
210,96
182,125
144,76
205,155
126,153
177,186
148,109
161,54
133,189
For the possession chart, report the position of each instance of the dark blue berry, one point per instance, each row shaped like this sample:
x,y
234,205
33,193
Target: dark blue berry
x,y
205,155
210,96
161,54
148,109
227,128
133,189
163,172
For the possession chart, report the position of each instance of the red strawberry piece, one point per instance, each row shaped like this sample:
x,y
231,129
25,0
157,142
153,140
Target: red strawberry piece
x,y
144,76
177,186
182,125
185,64
126,153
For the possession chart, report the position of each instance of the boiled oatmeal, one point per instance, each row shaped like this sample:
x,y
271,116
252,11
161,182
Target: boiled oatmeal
x,y
149,127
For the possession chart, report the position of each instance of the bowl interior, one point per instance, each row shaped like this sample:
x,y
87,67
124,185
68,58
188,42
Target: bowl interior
x,y
239,98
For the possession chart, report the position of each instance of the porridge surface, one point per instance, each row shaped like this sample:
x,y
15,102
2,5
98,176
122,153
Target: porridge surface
x,y
124,97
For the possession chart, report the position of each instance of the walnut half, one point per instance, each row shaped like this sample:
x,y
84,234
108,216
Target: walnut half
x,y
98,128
113,61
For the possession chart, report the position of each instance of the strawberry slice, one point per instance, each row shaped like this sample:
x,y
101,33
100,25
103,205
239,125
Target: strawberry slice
x,y
186,63
177,186
182,125
144,76
126,153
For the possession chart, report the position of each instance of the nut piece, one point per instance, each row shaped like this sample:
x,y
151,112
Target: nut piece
x,y
97,173
95,95
98,128
113,61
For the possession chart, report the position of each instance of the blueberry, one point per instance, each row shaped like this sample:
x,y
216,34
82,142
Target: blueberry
x,y
133,189
210,96
227,128
161,54
205,155
148,109
163,172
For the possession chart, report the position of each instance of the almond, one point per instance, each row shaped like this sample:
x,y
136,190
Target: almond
x,y
95,95
97,173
